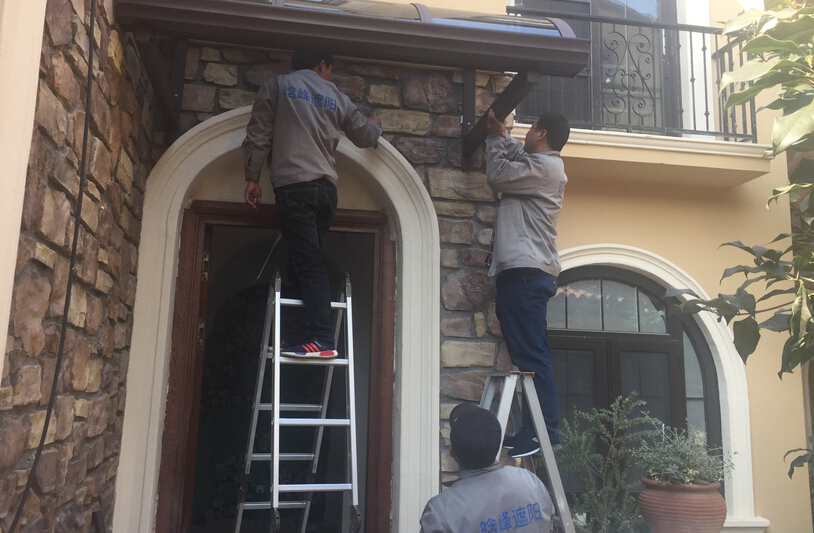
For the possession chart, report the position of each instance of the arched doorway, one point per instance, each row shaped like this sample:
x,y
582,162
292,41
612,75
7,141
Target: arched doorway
x,y
189,165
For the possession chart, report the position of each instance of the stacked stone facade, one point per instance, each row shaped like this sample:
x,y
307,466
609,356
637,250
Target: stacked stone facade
x,y
420,109
420,112
76,474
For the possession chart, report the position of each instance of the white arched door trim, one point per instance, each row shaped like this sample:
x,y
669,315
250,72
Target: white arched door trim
x,y
417,380
740,500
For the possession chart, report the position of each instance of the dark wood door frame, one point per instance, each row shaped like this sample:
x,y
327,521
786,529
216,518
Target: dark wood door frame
x,y
176,475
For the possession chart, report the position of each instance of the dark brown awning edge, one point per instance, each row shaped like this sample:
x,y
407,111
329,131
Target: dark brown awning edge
x,y
265,25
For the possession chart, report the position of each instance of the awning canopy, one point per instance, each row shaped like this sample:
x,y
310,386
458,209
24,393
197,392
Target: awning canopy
x,y
409,33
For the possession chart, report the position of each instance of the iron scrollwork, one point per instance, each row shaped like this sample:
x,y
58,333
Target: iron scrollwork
x,y
629,73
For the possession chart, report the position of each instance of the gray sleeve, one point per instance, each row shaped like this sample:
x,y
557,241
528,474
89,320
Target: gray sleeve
x,y
513,148
355,125
431,520
518,175
260,130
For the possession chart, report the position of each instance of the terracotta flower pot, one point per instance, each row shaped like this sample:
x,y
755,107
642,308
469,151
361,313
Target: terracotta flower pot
x,y
682,508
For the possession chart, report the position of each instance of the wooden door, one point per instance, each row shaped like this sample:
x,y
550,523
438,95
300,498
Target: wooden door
x,y
176,477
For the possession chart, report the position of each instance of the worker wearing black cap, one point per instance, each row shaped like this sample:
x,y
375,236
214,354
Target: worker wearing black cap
x,y
488,497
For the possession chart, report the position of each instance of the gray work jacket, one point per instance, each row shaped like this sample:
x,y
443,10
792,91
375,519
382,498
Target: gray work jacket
x,y
532,187
491,500
296,123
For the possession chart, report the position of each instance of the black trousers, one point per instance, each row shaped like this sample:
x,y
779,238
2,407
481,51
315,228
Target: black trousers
x,y
305,212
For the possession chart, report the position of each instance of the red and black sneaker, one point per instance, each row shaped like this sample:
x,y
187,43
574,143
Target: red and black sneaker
x,y
312,350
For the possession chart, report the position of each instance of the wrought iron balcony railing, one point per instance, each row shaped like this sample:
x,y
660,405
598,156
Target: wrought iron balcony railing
x,y
646,77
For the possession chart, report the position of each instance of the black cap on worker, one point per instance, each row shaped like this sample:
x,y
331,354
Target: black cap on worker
x,y
475,435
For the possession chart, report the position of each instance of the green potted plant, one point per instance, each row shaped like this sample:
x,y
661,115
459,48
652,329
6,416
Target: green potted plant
x,y
604,503
681,487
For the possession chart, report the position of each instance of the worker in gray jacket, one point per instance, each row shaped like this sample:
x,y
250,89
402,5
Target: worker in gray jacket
x,y
295,127
525,262
487,497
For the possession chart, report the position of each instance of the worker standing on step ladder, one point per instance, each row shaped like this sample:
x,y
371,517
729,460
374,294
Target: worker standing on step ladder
x,y
524,261
295,126
487,497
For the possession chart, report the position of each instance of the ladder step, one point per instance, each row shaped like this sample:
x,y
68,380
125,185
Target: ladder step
x,y
283,457
294,303
307,407
259,506
314,422
306,360
314,487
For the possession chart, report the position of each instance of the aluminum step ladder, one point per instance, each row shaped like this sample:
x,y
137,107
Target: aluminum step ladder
x,y
270,351
509,394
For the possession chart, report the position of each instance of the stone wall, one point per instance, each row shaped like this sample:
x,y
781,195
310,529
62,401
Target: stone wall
x,y
76,474
420,111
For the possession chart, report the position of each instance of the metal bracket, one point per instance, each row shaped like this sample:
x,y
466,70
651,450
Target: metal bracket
x,y
468,116
167,82
513,94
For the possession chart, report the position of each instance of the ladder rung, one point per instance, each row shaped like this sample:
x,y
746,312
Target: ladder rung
x,y
259,506
293,303
296,407
314,422
283,457
327,487
307,360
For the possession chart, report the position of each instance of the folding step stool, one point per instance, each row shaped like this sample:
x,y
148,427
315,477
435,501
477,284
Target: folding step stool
x,y
551,478
271,350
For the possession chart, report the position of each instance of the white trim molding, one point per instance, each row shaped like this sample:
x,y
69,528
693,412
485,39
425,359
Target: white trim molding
x,y
417,378
21,27
734,398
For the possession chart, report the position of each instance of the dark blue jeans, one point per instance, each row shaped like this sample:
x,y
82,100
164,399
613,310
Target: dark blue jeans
x,y
521,304
305,212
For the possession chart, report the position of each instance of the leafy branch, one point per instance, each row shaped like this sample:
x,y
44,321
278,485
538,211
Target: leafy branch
x,y
780,44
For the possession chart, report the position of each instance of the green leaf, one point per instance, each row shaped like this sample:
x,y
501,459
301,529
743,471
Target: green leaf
x,y
778,323
791,12
789,187
795,353
770,80
733,300
747,335
780,103
672,292
800,30
749,71
744,96
738,269
799,461
740,245
723,308
789,129
747,300
745,20
802,261
788,66
780,237
806,144
785,363
777,292
767,43
804,173
762,251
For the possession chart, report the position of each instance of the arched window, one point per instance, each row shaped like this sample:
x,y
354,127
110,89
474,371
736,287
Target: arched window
x,y
610,335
